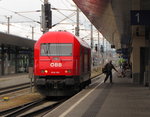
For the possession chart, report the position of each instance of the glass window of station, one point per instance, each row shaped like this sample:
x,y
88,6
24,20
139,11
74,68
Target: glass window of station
x,y
15,59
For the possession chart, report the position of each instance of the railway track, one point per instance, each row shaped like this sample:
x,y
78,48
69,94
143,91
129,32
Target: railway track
x,y
35,108
19,87
14,88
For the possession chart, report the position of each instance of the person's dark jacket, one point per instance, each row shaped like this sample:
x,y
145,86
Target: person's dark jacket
x,y
109,67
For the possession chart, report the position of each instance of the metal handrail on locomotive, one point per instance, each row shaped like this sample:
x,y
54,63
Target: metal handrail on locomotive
x,y
62,64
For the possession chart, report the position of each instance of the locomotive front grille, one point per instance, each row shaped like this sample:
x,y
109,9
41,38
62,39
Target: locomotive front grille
x,y
55,82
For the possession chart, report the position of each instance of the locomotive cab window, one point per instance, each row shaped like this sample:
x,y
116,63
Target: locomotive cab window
x,y
56,49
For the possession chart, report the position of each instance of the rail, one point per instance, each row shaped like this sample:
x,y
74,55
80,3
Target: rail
x,y
14,88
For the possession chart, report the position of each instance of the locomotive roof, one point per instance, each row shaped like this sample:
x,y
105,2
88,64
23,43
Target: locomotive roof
x,y
82,42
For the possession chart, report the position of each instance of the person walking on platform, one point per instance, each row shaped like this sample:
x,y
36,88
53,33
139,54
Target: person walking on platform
x,y
120,62
125,66
109,66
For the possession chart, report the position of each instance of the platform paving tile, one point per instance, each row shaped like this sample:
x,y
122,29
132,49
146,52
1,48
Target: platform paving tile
x,y
126,101
121,99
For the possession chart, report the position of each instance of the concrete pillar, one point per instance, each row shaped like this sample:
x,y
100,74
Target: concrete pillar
x,y
135,4
138,37
149,58
138,42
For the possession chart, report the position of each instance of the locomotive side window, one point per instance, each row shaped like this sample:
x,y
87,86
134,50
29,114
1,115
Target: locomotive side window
x,y
56,49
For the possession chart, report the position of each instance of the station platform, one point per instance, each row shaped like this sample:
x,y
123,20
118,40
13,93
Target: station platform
x,y
120,99
21,78
14,79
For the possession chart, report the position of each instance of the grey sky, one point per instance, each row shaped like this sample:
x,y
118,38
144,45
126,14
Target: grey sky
x,y
10,7
22,26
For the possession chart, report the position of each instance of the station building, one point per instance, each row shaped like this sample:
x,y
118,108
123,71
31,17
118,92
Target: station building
x,y
126,25
16,54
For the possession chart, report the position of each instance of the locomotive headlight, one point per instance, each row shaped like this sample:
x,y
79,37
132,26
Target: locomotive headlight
x,y
68,71
44,71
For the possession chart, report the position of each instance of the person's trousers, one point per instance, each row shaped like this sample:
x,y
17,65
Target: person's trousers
x,y
109,74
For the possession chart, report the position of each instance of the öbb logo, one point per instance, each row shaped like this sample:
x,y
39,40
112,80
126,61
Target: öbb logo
x,y
55,64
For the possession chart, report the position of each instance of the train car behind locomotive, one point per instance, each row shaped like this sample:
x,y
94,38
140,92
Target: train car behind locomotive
x,y
62,64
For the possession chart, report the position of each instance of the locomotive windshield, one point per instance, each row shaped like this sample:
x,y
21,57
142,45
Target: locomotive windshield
x,y
56,49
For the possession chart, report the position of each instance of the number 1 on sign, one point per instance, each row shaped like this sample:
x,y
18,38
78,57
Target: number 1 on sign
x,y
138,17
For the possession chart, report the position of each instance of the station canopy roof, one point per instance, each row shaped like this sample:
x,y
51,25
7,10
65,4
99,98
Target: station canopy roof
x,y
16,40
112,17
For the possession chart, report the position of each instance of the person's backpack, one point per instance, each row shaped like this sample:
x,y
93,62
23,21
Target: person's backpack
x,y
104,69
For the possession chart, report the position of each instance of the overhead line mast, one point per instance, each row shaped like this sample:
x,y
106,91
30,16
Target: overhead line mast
x,y
77,27
8,22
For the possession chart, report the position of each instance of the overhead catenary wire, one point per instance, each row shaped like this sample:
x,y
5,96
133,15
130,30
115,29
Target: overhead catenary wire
x,y
21,15
36,11
64,4
64,19
64,15
69,2
42,1
63,9
17,22
12,24
18,13
67,18
24,29
32,19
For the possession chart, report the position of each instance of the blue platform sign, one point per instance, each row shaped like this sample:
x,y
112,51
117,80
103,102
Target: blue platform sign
x,y
140,17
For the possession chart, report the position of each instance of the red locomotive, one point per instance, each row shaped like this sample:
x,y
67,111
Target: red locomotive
x,y
62,64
